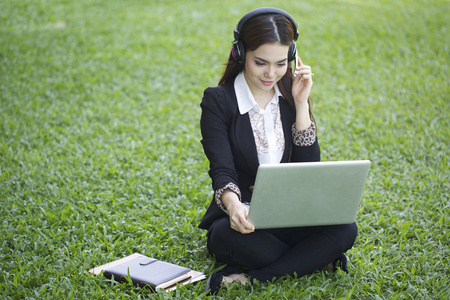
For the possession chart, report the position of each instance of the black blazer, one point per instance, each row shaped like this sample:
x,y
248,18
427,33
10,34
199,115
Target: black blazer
x,y
229,144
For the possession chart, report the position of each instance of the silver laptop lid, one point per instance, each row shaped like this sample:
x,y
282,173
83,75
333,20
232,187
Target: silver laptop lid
x,y
307,194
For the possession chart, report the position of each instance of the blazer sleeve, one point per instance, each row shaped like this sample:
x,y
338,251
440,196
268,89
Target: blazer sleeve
x,y
214,124
306,153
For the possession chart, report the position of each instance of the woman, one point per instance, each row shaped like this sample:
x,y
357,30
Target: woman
x,y
258,114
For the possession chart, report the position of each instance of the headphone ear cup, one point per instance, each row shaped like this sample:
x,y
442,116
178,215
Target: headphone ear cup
x,y
238,52
292,52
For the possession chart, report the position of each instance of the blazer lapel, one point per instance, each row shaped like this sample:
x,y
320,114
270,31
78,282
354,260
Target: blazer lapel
x,y
287,119
246,141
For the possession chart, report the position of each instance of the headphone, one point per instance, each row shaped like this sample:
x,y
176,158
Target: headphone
x,y
238,50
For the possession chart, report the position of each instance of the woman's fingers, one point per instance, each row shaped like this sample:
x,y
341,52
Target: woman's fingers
x,y
240,223
243,226
247,226
303,73
302,83
303,69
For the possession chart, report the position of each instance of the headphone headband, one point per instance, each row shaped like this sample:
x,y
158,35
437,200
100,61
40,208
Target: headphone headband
x,y
263,11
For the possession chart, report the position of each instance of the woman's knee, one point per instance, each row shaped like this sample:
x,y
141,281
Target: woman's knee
x,y
349,234
218,240
219,233
352,231
253,250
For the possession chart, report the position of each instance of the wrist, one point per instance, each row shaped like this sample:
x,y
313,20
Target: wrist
x,y
302,120
230,199
302,105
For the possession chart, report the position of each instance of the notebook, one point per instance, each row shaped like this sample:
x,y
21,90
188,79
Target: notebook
x,y
307,194
143,271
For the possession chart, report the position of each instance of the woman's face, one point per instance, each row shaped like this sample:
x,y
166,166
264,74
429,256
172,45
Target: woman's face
x,y
265,66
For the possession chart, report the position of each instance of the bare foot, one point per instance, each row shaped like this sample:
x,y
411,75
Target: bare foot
x,y
242,278
329,267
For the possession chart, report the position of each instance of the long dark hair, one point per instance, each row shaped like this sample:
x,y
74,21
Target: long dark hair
x,y
260,30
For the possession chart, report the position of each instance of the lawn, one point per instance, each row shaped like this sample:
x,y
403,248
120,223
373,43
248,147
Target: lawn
x,y
100,154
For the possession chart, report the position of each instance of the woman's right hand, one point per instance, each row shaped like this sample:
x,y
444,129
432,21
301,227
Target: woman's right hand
x,y
238,213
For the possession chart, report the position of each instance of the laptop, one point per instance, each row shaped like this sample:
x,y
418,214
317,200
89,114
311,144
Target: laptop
x,y
307,194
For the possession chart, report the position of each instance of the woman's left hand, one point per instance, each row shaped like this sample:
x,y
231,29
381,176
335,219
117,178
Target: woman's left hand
x,y
301,87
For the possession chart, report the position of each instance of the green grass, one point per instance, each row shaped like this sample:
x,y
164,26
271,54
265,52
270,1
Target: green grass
x,y
100,154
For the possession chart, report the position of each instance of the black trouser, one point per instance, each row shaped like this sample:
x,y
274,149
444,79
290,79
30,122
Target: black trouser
x,y
273,253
